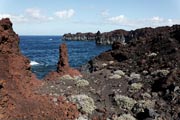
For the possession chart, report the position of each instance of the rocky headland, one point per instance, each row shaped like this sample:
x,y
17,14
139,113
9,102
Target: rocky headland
x,y
139,80
123,36
79,36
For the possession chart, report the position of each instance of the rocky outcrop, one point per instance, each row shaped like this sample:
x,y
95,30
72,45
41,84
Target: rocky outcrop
x,y
79,36
63,68
123,36
108,38
127,36
142,76
63,64
18,97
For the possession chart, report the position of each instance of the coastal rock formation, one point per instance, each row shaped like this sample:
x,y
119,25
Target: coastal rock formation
x,y
108,38
63,68
79,36
18,97
142,76
63,64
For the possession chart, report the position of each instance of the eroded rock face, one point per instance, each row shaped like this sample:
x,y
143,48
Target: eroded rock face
x,y
79,36
18,99
63,68
63,64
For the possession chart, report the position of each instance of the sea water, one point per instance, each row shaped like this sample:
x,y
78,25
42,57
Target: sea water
x,y
43,52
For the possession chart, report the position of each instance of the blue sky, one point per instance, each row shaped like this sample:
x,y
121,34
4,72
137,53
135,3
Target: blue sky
x,y
56,17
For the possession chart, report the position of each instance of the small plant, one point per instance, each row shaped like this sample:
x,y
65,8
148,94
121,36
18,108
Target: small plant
x,y
124,102
84,103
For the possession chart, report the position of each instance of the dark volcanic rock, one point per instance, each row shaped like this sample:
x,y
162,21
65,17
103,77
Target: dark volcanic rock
x,y
18,99
151,61
79,36
123,36
111,37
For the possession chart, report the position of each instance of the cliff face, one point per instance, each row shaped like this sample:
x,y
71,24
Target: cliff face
x,y
127,36
18,99
79,36
108,38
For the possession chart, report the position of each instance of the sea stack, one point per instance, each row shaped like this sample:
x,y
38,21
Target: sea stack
x,y
63,64
63,68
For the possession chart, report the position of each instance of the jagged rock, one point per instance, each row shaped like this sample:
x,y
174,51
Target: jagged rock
x,y
63,64
79,36
64,71
151,58
17,84
111,37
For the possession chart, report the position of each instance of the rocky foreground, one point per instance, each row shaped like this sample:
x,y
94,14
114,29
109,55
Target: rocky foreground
x,y
139,80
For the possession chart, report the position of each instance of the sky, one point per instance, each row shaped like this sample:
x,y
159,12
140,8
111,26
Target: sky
x,y
56,17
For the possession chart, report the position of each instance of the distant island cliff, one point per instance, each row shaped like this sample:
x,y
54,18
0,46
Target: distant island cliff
x,y
79,36
106,38
122,36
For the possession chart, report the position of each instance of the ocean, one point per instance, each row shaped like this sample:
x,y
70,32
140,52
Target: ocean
x,y
43,52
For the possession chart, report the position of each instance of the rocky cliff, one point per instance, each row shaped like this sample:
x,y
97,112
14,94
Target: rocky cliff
x,y
18,96
141,78
79,36
108,38
123,36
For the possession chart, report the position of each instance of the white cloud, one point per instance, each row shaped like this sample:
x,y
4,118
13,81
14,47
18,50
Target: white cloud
x,y
136,23
36,14
65,13
105,13
157,19
15,18
117,20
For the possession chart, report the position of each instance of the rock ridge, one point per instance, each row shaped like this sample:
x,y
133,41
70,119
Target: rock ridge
x,y
123,36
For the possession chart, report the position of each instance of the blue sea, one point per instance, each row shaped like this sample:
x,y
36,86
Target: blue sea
x,y
43,52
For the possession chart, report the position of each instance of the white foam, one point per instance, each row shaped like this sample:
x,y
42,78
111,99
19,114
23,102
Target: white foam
x,y
50,39
34,63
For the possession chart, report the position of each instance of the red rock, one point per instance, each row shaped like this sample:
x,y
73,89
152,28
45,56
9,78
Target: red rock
x,y
19,99
63,67
63,64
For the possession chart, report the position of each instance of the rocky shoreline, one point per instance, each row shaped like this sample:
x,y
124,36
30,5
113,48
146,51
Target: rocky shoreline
x,y
79,36
123,36
139,80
